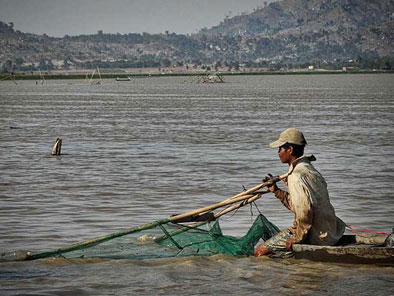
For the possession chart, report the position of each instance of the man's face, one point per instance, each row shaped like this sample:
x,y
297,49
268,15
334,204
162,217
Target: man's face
x,y
284,154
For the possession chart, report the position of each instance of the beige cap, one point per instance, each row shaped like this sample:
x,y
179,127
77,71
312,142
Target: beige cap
x,y
291,136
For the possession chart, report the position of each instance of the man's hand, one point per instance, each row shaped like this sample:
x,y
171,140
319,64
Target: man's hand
x,y
272,187
289,244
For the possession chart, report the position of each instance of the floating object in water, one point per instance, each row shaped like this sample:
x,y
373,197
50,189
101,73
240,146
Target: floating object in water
x,y
123,78
207,78
57,147
212,78
146,238
20,255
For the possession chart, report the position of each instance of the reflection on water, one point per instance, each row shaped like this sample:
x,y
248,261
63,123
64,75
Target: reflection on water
x,y
216,275
145,149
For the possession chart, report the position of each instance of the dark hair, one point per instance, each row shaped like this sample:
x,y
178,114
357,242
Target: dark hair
x,y
298,150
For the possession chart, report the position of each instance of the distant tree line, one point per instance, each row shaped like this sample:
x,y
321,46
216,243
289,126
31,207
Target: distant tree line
x,y
150,61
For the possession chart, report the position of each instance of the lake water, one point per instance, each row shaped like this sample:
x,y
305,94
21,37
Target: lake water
x,y
137,151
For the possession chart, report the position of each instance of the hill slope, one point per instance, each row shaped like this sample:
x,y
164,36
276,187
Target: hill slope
x,y
302,30
284,33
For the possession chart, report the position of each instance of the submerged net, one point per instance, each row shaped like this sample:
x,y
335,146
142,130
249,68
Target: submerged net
x,y
163,239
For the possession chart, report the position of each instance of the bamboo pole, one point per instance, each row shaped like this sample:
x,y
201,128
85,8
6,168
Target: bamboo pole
x,y
210,208
243,203
95,241
216,215
264,184
236,198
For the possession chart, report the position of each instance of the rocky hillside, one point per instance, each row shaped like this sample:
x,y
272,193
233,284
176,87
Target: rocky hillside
x,y
302,30
287,33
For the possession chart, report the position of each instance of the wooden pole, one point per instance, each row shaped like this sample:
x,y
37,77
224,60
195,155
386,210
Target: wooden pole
x,y
95,241
264,184
209,208
243,203
236,198
216,215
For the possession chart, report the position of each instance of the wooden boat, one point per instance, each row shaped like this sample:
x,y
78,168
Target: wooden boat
x,y
123,78
351,249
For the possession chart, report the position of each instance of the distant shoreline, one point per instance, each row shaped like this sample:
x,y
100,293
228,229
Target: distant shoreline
x,y
73,75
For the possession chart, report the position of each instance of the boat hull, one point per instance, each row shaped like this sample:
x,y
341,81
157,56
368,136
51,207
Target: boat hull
x,y
356,252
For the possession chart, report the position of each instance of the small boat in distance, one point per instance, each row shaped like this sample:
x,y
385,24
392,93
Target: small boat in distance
x,y
123,78
211,78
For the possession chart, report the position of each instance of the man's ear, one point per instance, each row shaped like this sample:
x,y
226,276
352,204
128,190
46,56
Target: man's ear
x,y
291,150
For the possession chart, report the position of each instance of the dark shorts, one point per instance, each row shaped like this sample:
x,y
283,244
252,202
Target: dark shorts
x,y
277,243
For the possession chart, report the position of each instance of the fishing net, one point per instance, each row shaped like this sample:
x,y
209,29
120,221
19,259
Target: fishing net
x,y
163,239
195,233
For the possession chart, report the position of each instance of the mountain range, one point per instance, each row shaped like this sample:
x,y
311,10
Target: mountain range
x,y
287,33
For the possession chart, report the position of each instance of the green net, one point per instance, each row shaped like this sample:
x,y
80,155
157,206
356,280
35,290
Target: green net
x,y
162,239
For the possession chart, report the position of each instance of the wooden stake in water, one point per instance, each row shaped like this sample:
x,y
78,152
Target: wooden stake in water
x,y
57,147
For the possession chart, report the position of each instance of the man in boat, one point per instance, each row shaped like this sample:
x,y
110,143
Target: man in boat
x,y
307,197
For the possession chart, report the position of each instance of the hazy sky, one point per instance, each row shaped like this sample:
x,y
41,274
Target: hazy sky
x,y
74,17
